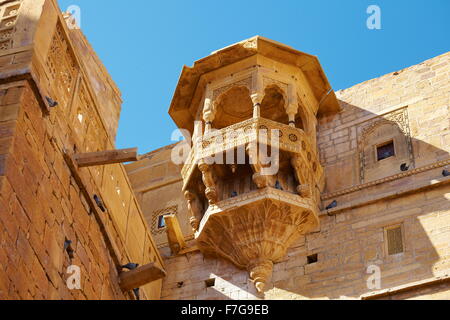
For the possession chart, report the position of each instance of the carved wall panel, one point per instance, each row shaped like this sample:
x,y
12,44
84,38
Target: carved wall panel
x,y
62,67
9,13
390,127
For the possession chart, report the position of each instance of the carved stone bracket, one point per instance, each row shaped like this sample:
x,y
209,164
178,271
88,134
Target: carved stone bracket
x,y
261,180
209,182
194,209
255,235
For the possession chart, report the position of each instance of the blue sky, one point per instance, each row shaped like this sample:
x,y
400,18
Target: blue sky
x,y
145,43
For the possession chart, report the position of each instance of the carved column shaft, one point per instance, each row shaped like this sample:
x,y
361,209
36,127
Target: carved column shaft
x,y
257,99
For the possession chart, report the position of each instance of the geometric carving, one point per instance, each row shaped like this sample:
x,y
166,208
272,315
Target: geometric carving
x,y
62,65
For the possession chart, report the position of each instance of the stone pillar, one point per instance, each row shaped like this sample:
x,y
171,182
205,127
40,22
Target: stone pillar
x,y
257,93
257,100
292,108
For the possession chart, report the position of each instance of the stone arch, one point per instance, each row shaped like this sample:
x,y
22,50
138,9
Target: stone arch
x,y
375,135
274,104
232,106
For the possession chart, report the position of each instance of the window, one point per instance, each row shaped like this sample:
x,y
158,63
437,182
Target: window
x,y
394,239
312,258
385,150
161,222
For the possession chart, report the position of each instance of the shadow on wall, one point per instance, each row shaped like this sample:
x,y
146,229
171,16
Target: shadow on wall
x,y
374,148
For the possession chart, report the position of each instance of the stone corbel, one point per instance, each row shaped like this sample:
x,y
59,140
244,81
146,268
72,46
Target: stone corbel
x,y
304,187
260,273
292,111
194,209
209,182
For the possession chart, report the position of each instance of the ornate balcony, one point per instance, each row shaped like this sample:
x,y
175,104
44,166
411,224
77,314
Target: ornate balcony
x,y
250,210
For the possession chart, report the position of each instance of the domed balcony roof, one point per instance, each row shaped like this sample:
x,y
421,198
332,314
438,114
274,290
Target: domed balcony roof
x,y
181,109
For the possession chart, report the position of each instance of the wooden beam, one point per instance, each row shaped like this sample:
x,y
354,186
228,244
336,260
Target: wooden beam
x,y
136,278
174,234
105,157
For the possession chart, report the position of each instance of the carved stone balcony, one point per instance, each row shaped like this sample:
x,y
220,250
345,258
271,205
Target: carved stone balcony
x,y
254,230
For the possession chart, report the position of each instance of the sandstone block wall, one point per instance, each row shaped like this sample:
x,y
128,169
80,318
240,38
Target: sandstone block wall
x,y
43,202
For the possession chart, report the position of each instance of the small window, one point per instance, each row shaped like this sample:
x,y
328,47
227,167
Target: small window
x,y
394,240
161,222
385,151
210,282
312,258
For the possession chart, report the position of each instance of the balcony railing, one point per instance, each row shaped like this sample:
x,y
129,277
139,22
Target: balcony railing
x,y
293,140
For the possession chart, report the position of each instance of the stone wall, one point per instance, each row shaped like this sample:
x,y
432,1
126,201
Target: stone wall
x,y
410,107
44,199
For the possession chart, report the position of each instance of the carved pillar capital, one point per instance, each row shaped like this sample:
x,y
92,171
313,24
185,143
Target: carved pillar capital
x,y
257,99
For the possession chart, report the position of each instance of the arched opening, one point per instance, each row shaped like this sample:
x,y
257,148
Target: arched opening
x,y
273,106
233,106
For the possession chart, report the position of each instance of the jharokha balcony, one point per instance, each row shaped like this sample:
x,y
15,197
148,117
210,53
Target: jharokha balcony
x,y
252,190
252,179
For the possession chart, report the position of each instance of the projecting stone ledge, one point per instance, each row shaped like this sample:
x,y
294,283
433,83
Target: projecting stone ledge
x,y
255,230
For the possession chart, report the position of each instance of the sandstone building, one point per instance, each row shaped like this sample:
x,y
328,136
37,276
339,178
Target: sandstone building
x,y
360,187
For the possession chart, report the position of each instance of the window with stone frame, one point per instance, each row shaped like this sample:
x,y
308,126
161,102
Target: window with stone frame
x,y
384,146
158,224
